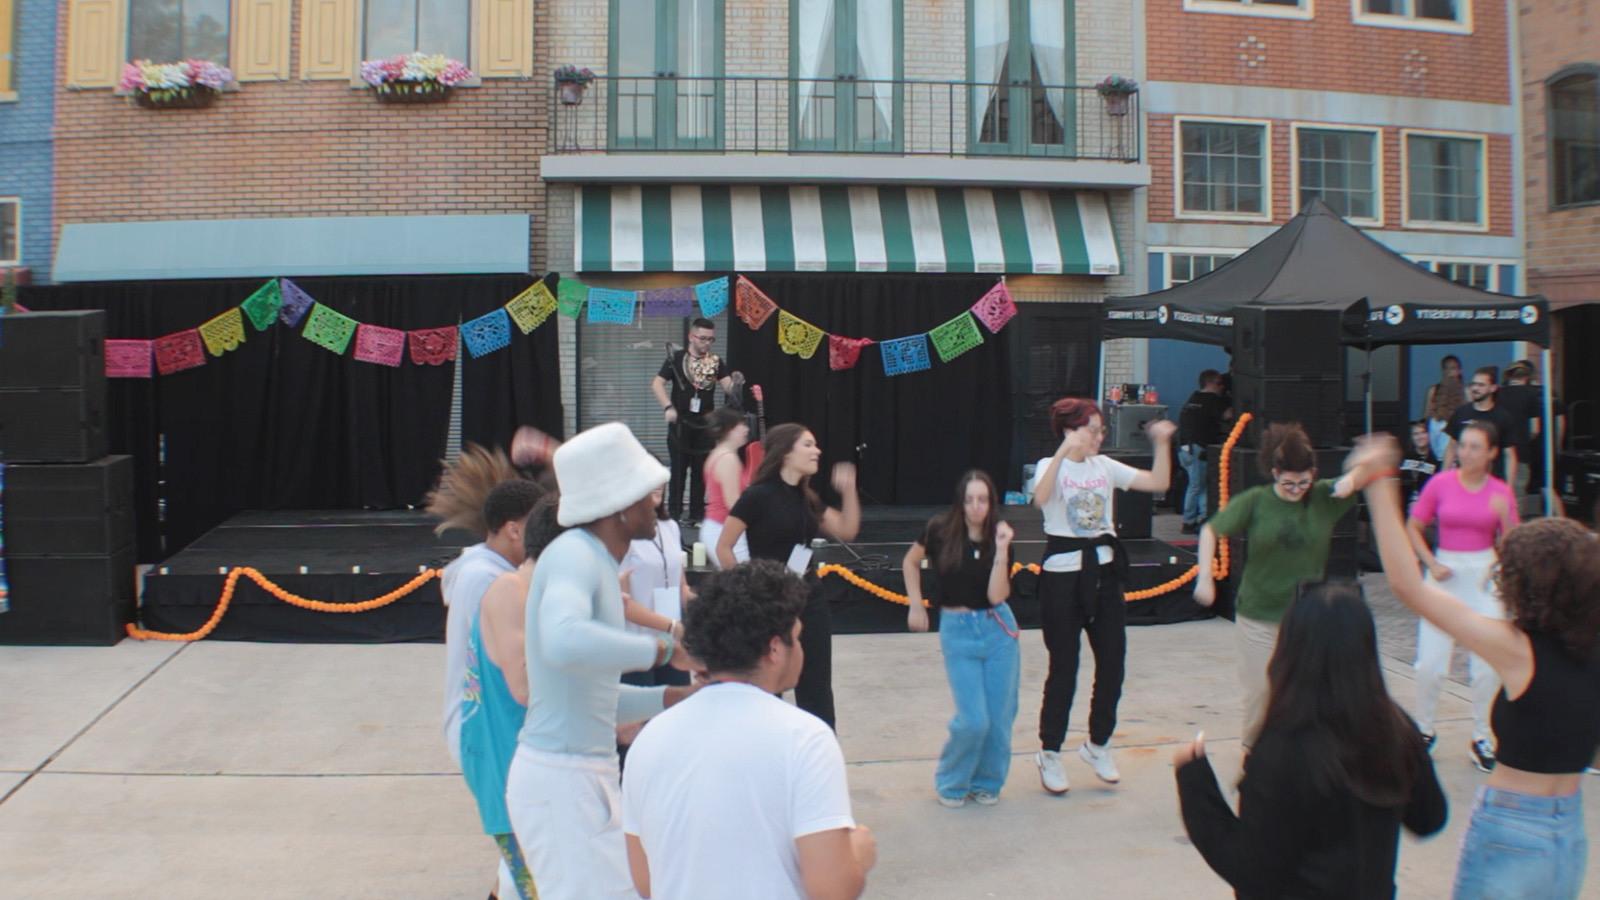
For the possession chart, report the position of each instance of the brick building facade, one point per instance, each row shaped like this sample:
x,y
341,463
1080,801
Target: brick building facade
x,y
27,84
1406,122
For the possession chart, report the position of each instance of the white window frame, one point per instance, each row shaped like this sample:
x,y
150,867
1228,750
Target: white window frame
x,y
16,202
1360,16
1493,262
1406,221
1266,170
1167,253
1251,8
1377,170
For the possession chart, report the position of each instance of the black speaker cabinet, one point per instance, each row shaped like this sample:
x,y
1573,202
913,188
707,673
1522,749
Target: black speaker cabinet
x,y
1578,482
1133,512
53,387
1315,401
1281,343
84,600
72,509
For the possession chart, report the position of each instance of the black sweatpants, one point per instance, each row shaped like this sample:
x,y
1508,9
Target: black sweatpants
x,y
814,692
687,462
1069,602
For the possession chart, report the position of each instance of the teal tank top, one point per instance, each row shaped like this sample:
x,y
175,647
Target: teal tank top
x,y
490,720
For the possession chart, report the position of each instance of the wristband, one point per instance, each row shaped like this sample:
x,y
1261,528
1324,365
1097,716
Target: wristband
x,y
668,647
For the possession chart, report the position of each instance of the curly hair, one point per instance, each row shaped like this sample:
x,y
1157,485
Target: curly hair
x,y
1286,447
738,612
1549,576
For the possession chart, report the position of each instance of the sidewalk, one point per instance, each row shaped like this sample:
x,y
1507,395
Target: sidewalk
x,y
275,770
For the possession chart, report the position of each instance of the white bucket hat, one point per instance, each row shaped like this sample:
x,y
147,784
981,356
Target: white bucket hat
x,y
603,471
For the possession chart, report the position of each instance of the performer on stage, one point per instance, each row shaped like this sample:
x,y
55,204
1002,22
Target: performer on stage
x,y
1336,772
692,377
781,514
1526,837
726,477
970,549
1473,510
495,696
1289,524
562,791
1082,583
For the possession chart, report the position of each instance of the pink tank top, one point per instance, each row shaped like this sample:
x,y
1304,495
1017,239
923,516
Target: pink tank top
x,y
716,504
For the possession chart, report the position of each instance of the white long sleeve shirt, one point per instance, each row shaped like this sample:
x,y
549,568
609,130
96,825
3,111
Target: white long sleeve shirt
x,y
578,647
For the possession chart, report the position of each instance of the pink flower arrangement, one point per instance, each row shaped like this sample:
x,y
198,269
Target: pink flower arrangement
x,y
416,68
165,81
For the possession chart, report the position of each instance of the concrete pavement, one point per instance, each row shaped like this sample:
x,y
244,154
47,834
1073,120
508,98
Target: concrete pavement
x,y
277,770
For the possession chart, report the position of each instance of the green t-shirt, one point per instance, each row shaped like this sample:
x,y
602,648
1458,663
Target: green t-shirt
x,y
1288,543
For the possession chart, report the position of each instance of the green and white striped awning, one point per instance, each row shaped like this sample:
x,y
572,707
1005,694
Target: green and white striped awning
x,y
838,228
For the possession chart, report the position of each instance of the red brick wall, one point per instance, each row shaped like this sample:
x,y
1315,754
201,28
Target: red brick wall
x,y
1563,259
1331,52
1284,205
304,148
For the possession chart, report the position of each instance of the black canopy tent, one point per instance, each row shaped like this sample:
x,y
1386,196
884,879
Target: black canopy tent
x,y
1318,261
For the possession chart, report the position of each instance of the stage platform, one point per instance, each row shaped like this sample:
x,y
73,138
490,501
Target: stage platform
x,y
351,556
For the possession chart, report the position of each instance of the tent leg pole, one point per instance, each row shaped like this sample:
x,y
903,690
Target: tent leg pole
x,y
1367,380
1549,438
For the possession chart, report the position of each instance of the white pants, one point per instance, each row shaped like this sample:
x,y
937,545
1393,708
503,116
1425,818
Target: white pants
x,y
566,810
711,532
1255,641
1469,583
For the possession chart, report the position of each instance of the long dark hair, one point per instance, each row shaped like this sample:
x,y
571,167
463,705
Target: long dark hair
x,y
949,528
776,445
1327,691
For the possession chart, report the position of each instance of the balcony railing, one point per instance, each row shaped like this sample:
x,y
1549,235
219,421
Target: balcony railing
x,y
757,115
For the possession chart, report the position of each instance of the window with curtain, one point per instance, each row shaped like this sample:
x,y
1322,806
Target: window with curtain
x,y
1444,178
1021,59
1574,123
667,56
10,231
1425,10
845,58
171,30
429,26
1340,167
1224,168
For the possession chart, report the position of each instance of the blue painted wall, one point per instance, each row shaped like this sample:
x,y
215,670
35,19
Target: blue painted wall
x,y
1175,368
25,123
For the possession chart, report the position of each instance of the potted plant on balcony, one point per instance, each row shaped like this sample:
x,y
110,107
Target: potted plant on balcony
x,y
414,77
572,81
189,84
1115,90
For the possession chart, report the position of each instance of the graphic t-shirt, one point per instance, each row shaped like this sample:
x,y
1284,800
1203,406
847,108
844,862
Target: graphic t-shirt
x,y
1288,543
1081,506
690,378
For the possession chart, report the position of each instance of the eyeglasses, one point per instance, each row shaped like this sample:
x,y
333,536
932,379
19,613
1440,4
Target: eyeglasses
x,y
1300,485
702,338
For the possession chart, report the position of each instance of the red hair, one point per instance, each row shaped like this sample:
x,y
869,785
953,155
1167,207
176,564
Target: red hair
x,y
1071,413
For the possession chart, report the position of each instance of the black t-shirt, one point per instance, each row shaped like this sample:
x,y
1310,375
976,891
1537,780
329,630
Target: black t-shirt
x,y
1522,402
1415,470
1503,421
776,518
968,585
1200,421
690,378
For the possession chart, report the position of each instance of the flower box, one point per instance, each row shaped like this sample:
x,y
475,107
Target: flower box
x,y
414,77
412,92
190,84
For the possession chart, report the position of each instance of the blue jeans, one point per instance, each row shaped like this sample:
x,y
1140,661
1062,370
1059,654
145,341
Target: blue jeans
x,y
984,665
1194,498
1520,846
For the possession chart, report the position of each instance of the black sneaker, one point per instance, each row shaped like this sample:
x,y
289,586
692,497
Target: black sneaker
x,y
1428,740
1190,528
1483,755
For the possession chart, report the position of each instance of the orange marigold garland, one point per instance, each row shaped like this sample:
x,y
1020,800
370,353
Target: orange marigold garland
x,y
267,585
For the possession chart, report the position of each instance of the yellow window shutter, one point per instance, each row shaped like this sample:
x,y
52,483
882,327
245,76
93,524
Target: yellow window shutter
x,y
8,18
261,40
503,40
94,43
328,39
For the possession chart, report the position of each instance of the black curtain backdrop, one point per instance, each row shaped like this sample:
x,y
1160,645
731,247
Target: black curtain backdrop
x,y
917,432
281,423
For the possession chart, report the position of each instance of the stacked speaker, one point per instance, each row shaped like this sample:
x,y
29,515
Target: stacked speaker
x,y
69,508
1288,366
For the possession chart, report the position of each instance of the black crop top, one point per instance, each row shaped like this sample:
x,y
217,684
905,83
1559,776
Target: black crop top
x,y
1554,727
968,585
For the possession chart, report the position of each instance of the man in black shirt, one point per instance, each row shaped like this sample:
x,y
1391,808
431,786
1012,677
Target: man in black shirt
x,y
1481,406
1199,426
1524,399
692,376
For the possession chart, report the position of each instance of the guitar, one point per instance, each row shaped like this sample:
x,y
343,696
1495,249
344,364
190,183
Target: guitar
x,y
753,451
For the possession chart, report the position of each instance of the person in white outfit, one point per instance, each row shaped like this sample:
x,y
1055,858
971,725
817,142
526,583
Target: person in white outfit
x,y
563,789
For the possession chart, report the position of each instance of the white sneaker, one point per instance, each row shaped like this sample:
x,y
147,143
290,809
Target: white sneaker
x,y
1099,758
984,798
1051,775
951,802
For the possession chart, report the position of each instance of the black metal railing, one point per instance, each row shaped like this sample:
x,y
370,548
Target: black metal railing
x,y
759,114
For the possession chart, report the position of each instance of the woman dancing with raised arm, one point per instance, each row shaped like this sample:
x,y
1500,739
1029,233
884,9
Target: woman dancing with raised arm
x,y
970,549
1526,838
726,476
